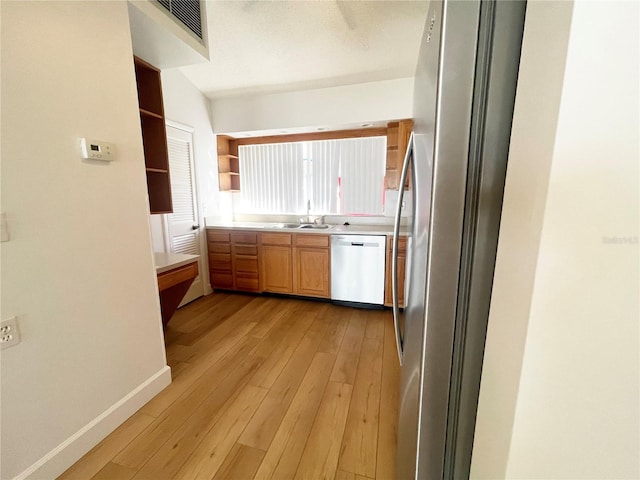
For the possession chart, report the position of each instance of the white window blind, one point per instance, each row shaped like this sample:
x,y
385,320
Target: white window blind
x,y
343,176
272,178
323,162
362,169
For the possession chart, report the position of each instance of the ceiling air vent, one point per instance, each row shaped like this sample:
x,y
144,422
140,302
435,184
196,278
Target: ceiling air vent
x,y
186,12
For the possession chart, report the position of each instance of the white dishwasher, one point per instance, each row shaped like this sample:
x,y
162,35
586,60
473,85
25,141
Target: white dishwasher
x,y
357,269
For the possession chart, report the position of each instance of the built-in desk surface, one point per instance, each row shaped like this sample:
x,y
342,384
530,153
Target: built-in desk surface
x,y
169,261
176,272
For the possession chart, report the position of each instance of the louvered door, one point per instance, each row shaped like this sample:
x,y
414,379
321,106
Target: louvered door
x,y
184,230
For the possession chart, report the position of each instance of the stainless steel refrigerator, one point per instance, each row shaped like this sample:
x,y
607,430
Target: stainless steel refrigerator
x,y
454,171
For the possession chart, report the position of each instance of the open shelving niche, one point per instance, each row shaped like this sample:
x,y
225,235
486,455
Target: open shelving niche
x,y
154,136
397,133
228,164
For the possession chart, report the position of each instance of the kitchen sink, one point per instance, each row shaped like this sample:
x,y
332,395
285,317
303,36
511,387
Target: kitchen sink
x,y
304,225
314,225
286,225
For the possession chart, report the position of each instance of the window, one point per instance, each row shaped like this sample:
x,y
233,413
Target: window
x,y
344,177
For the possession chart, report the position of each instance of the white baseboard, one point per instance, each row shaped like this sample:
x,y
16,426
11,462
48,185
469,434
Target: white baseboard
x,y
73,448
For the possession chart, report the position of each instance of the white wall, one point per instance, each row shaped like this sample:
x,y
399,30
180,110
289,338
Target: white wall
x,y
533,133
577,396
78,271
350,104
161,40
186,105
345,106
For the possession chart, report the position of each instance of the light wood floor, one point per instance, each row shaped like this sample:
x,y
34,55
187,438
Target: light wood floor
x,y
263,388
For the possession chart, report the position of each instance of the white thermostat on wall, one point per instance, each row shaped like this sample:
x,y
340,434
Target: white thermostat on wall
x,y
97,150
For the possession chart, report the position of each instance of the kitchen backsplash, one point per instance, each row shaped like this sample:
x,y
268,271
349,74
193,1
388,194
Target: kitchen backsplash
x,y
329,219
229,199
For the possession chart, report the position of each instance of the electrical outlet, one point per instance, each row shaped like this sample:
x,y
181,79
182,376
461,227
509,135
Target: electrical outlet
x,y
9,333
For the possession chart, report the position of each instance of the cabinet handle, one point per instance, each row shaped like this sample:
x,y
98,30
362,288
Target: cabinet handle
x,y
195,227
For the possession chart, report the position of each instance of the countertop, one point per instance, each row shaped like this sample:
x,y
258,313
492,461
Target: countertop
x,y
332,230
168,261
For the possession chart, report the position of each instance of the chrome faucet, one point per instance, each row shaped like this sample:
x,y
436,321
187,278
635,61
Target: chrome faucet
x,y
308,211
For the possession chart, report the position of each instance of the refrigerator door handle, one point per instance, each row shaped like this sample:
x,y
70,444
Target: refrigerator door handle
x,y
394,248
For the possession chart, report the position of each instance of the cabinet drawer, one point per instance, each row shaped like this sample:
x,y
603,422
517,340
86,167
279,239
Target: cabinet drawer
x,y
275,238
244,237
219,247
221,280
217,236
247,264
321,241
220,261
177,275
247,282
245,250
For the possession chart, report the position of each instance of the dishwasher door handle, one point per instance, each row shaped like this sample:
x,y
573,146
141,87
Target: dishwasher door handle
x,y
356,244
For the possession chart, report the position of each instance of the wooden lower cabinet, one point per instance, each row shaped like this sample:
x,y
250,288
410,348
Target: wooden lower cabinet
x,y
295,263
311,272
276,267
233,260
311,265
288,263
244,260
220,265
402,261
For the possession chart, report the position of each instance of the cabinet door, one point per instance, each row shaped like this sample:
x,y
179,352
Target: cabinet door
x,y
388,299
277,271
311,272
401,273
402,252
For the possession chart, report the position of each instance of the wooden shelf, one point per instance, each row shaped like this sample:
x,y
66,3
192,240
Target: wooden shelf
x,y
150,95
229,182
228,164
150,114
154,136
397,140
157,186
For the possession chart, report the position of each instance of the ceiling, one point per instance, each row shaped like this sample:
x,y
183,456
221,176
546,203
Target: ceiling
x,y
261,46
